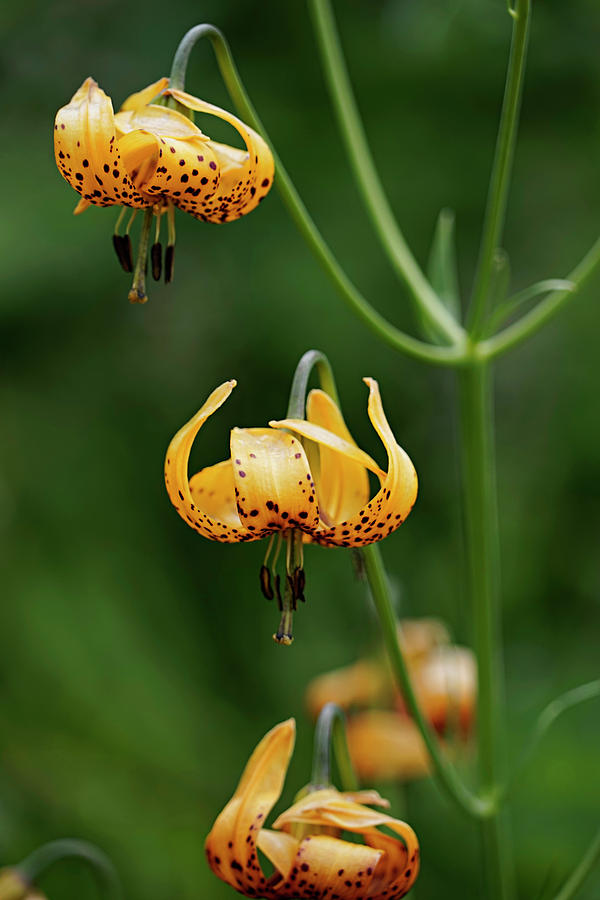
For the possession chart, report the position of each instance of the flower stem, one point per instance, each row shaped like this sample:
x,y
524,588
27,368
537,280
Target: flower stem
x,y
443,772
580,874
47,855
481,538
367,178
330,734
544,311
502,167
311,359
404,343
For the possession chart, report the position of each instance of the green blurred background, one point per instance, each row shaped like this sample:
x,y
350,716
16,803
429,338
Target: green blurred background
x,y
136,662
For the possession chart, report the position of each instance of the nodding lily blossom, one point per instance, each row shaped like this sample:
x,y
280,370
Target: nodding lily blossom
x,y
383,740
154,158
267,488
309,856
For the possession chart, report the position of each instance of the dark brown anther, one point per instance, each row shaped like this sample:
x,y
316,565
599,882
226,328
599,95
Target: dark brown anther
x,y
169,263
265,580
123,251
127,252
278,592
156,257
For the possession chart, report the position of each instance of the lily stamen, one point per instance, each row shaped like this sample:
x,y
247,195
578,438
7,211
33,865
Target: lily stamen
x,y
122,245
156,249
137,294
170,252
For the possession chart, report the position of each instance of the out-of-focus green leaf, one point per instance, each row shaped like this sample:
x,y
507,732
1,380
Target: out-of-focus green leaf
x,y
442,271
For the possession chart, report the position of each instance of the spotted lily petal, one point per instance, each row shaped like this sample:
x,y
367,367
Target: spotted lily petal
x,y
231,845
391,505
176,475
245,176
274,485
86,150
213,492
398,868
182,170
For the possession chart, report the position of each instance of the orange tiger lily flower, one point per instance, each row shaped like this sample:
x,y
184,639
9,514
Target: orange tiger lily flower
x,y
313,864
154,158
267,487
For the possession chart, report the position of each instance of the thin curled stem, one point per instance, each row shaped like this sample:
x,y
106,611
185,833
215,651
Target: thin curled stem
x,y
395,337
495,212
553,711
367,178
443,772
48,854
532,321
582,871
311,359
330,735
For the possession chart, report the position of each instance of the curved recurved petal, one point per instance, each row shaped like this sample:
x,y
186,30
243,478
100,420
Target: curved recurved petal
x,y
274,485
86,150
398,868
343,485
231,844
331,808
145,96
246,176
213,493
182,170
392,504
177,480
159,120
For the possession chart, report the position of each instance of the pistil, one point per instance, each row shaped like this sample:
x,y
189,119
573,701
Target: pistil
x,y
137,294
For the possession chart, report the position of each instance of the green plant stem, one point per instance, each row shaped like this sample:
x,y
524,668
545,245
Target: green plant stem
x,y
443,772
441,356
311,359
544,311
330,735
548,716
481,538
502,167
580,874
47,855
367,178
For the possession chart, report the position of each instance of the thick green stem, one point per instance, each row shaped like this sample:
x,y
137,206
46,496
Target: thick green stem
x,y
441,356
581,873
46,856
330,735
367,179
502,167
443,772
481,538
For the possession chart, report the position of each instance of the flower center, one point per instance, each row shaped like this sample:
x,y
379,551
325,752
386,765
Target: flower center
x,y
295,580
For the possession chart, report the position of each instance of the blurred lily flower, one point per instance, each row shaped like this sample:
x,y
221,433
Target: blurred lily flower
x,y
267,487
383,741
385,746
14,887
368,682
317,863
154,158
